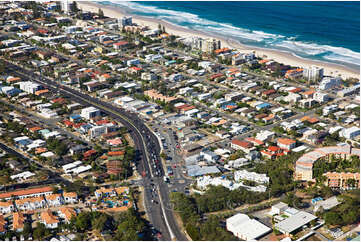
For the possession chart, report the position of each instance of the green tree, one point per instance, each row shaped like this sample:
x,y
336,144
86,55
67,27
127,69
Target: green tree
x,y
83,221
193,231
40,232
100,13
129,227
163,155
74,7
2,66
332,218
27,231
102,221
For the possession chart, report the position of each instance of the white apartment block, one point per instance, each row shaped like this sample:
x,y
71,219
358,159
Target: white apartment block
x,y
29,87
250,176
90,112
97,131
320,97
350,133
329,82
313,73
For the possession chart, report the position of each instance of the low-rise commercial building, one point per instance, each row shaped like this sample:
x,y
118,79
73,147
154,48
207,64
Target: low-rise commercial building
x,y
295,222
246,228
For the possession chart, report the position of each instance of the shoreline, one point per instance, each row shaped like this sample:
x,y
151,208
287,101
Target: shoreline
x,y
280,56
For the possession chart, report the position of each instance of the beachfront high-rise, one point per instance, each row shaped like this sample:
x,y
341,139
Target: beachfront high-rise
x,y
313,73
206,45
210,45
126,21
65,6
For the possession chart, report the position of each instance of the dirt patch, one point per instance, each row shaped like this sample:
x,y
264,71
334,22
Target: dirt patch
x,y
129,139
140,203
273,200
313,238
273,237
180,225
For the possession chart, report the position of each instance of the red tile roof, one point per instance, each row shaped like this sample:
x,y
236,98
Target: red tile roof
x,y
25,192
120,43
116,153
243,144
286,141
89,153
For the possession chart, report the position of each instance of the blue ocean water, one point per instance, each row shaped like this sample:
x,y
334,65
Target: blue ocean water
x,y
326,31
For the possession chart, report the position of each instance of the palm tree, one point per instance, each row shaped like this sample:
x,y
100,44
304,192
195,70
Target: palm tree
x,y
351,183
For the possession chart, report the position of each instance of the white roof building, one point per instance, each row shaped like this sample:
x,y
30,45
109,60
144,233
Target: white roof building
x,y
48,154
264,135
350,133
334,129
203,182
245,228
48,113
51,134
23,175
278,208
329,82
70,166
295,222
81,169
326,204
90,112
123,100
251,176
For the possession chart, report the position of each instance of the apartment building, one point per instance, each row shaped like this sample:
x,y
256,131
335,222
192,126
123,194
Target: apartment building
x,y
344,180
26,193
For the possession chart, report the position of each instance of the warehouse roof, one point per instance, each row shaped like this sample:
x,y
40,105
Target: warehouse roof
x,y
327,204
295,222
246,227
196,170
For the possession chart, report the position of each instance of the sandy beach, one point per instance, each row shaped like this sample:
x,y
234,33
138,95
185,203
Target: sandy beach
x,y
276,55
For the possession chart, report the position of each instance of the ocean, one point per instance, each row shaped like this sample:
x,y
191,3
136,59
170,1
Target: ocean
x,y
325,31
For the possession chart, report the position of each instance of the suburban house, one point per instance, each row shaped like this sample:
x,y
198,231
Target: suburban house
x,y
242,145
285,143
30,203
273,151
3,224
105,192
54,200
49,219
66,213
70,197
18,221
6,207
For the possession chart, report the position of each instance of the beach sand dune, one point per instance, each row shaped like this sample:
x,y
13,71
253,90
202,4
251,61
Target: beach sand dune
x,y
279,56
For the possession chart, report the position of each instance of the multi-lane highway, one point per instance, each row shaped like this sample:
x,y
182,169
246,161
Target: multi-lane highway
x,y
145,143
